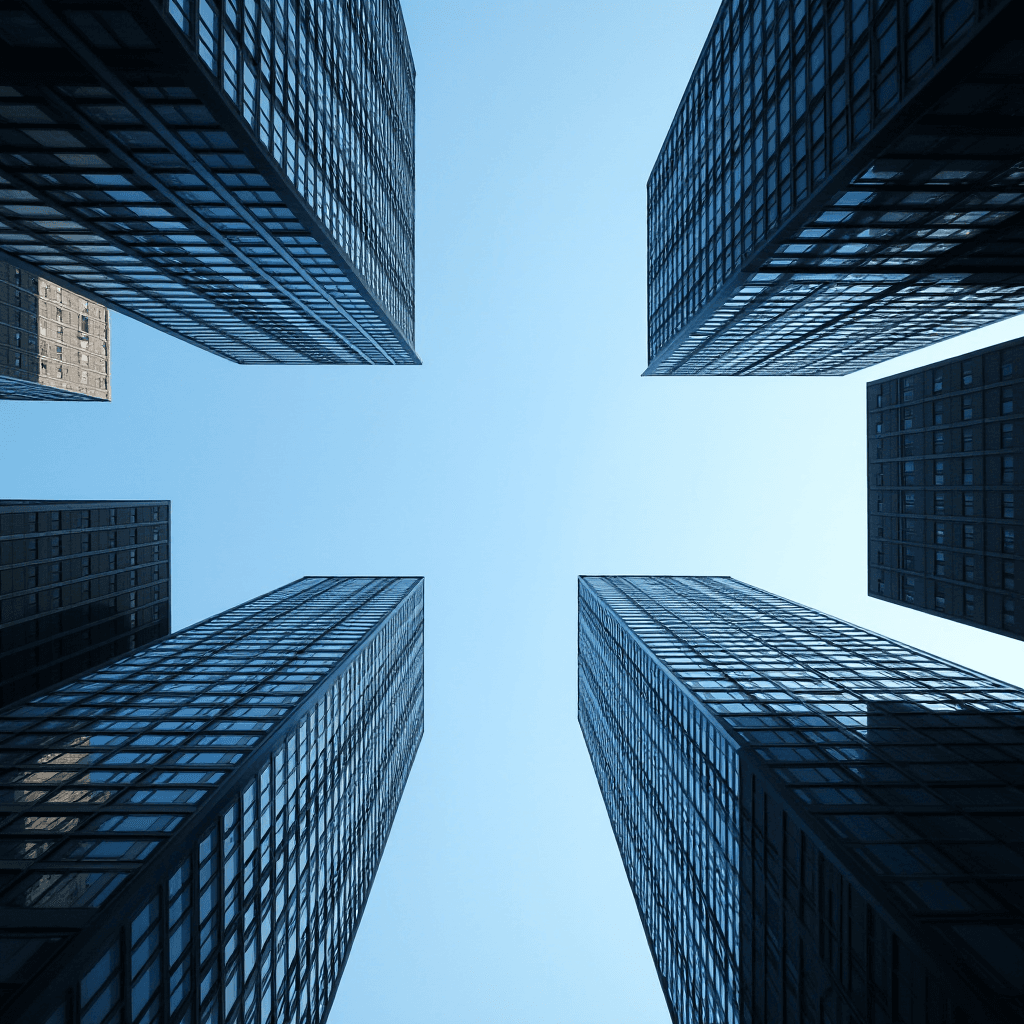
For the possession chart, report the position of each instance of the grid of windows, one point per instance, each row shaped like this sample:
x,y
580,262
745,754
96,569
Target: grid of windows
x,y
897,775
80,583
224,796
53,342
841,183
238,174
945,445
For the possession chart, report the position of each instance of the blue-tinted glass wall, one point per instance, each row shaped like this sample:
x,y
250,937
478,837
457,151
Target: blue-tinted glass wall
x,y
945,490
80,582
818,823
237,172
841,183
190,833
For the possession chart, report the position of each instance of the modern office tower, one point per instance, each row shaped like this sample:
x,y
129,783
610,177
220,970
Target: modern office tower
x,y
944,505
818,823
80,583
190,832
842,183
237,174
53,342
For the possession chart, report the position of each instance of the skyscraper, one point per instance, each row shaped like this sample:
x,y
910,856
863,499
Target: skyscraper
x,y
841,183
190,832
945,447
237,174
818,823
53,342
80,583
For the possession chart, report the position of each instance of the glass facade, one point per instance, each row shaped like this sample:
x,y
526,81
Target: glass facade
x,y
818,823
841,184
239,173
190,832
945,445
54,344
80,583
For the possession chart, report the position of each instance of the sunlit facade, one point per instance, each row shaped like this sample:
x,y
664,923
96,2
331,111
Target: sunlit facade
x,y
841,183
238,174
54,343
189,834
817,822
946,489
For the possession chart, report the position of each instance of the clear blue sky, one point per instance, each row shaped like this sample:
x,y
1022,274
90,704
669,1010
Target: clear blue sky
x,y
527,449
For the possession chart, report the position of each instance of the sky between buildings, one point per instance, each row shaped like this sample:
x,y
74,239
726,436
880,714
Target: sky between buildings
x,y
526,450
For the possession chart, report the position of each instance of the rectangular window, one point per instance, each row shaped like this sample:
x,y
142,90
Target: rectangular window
x,y
1007,475
1009,539
969,567
968,471
940,473
939,443
1008,575
1008,512
940,563
1006,402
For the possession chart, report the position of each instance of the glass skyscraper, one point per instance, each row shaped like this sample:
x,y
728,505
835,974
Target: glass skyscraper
x,y
189,833
945,488
80,583
239,173
841,183
818,823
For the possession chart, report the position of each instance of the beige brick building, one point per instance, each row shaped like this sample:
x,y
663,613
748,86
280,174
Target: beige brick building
x,y
54,344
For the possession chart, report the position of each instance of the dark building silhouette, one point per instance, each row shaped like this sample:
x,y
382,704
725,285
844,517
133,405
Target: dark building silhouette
x,y
54,344
841,183
80,582
190,832
237,174
818,823
945,490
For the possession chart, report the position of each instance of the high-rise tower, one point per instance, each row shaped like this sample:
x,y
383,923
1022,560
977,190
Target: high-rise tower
x,y
842,182
238,174
80,583
190,832
946,488
817,823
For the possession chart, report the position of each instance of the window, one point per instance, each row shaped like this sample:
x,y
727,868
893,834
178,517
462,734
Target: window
x,y
1006,401
86,542
969,567
1008,575
968,374
909,588
1007,438
940,563
968,407
112,517
968,471
937,412
1009,539
1007,476
936,381
1008,512
134,515
1009,607
940,471
940,533
940,502
1007,368
968,503
940,600
969,604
